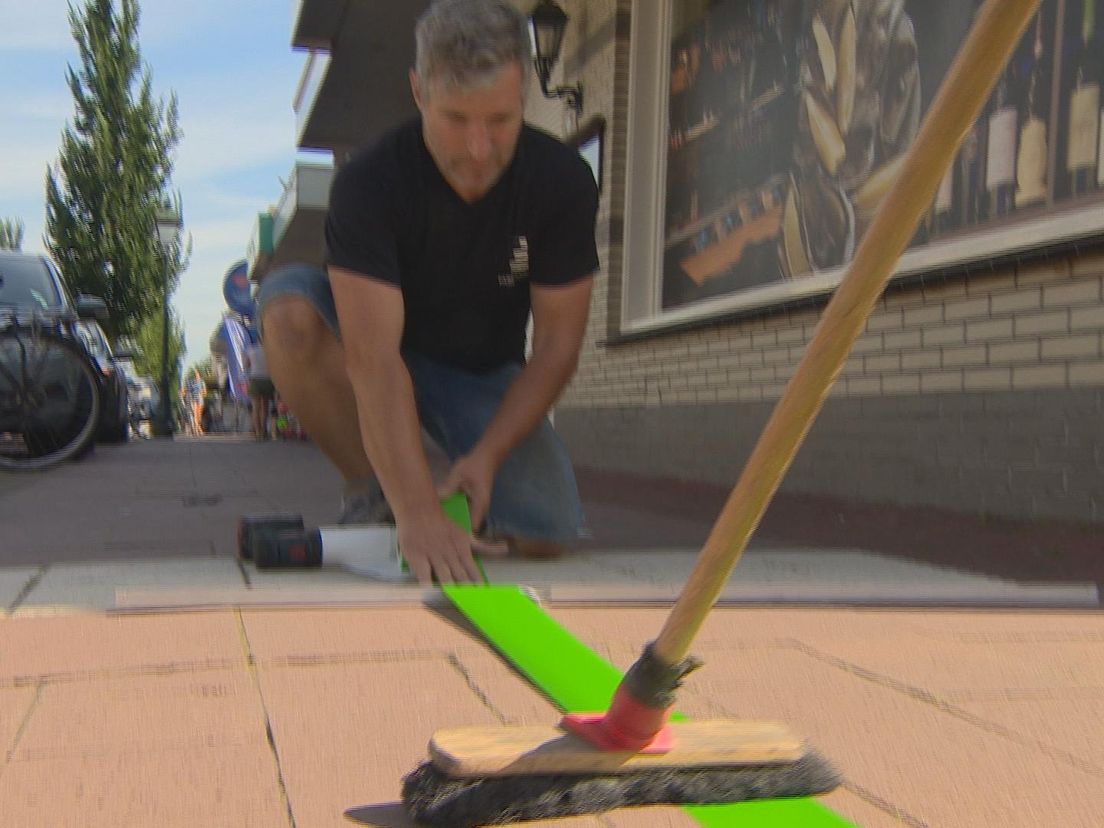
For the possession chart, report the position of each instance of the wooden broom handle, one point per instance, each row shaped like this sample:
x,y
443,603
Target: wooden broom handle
x,y
982,58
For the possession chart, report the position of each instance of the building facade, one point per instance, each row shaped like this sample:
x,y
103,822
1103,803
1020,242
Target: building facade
x,y
742,148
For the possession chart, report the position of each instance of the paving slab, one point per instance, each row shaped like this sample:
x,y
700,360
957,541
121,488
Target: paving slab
x,y
99,521
346,734
205,709
72,647
173,789
14,580
347,635
863,810
16,704
957,666
725,627
992,627
93,586
1068,721
513,698
460,680
926,764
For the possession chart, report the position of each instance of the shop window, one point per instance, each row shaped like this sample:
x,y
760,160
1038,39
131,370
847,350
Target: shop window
x,y
765,133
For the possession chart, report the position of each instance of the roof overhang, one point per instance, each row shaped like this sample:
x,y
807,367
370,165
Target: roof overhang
x,y
365,89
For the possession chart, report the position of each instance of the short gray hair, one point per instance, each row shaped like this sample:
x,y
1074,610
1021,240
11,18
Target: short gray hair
x,y
466,43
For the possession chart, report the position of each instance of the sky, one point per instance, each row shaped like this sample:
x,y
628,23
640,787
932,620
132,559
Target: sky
x,y
231,65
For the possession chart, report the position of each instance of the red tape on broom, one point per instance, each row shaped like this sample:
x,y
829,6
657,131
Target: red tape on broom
x,y
577,680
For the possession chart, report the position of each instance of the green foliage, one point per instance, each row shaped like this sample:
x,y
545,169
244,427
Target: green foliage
x,y
113,170
206,370
147,357
11,234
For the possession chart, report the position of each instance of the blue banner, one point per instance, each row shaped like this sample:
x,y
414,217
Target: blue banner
x,y
236,338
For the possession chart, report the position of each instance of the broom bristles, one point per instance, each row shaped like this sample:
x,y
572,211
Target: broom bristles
x,y
433,798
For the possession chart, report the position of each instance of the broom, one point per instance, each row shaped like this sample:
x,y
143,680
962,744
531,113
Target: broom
x,y
631,754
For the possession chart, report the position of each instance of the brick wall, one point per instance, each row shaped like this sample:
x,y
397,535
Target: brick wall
x,y
983,394
1039,326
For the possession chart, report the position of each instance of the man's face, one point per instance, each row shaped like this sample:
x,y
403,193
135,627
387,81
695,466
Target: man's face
x,y
472,133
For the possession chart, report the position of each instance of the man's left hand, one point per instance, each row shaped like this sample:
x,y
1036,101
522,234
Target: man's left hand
x,y
473,474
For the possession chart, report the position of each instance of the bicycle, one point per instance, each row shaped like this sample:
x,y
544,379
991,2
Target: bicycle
x,y
49,395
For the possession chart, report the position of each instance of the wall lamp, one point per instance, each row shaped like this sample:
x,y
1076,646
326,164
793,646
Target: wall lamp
x,y
546,28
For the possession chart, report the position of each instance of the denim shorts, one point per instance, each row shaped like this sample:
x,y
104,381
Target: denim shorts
x,y
535,495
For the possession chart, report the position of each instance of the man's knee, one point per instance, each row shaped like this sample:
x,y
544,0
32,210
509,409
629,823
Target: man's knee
x,y
293,329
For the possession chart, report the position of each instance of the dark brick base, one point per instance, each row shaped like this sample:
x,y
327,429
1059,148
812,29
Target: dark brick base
x,y
1035,551
1035,455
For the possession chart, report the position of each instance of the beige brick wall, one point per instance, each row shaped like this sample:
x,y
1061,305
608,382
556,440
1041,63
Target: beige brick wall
x,y
1030,327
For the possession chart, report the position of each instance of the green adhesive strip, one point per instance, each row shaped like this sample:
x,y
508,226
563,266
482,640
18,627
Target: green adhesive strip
x,y
576,679
456,509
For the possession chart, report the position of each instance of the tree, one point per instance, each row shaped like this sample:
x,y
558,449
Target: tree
x,y
113,170
147,341
11,234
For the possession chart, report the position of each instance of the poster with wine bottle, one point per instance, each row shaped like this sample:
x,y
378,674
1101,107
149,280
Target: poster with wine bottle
x,y
788,122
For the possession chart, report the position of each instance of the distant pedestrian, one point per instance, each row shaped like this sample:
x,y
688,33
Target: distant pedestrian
x,y
261,389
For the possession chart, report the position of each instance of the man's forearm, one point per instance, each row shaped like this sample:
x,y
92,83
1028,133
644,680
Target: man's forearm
x,y
391,433
532,394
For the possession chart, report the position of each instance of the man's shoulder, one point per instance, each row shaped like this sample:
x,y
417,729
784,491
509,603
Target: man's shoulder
x,y
553,167
544,150
389,154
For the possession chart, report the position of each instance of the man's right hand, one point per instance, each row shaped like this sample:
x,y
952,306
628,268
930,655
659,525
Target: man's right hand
x,y
435,548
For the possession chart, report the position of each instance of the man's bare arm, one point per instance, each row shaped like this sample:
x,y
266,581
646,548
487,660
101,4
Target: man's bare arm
x,y
559,324
370,314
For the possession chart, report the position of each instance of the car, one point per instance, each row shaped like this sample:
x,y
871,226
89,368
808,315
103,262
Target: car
x,y
143,390
114,426
31,281
142,395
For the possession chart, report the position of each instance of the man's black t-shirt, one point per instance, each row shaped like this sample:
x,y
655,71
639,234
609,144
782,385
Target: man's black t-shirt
x,y
464,269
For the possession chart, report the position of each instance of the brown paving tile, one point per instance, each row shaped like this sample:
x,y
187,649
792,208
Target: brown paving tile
x,y
232,787
859,811
341,633
736,627
147,750
347,734
943,666
15,704
987,626
1071,723
141,715
513,697
607,625
77,644
933,766
655,817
